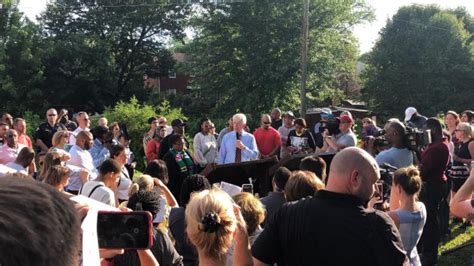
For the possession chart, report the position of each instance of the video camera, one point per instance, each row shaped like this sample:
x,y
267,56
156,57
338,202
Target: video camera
x,y
379,139
386,177
417,139
332,125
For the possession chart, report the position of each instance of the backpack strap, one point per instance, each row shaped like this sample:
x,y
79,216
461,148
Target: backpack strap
x,y
92,191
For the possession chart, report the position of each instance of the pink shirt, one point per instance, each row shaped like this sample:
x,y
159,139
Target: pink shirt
x,y
25,140
8,155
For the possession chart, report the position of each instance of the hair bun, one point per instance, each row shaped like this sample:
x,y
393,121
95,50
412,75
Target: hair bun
x,y
210,222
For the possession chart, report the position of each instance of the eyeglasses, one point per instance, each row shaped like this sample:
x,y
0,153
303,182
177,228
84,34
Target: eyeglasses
x,y
458,130
52,114
266,123
11,136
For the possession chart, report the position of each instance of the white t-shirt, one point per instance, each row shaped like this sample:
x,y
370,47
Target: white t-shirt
x,y
101,193
124,184
83,159
17,167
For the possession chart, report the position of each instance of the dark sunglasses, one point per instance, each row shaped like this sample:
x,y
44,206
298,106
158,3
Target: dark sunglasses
x,y
266,123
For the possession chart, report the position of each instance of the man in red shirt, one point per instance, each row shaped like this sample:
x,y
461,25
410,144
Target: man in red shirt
x,y
19,124
268,139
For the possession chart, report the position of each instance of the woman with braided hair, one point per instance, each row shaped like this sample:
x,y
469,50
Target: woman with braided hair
x,y
214,223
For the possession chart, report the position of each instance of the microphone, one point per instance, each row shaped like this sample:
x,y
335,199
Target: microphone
x,y
238,135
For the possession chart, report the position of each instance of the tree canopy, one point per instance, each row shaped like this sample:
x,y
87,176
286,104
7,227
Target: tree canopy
x,y
424,58
246,56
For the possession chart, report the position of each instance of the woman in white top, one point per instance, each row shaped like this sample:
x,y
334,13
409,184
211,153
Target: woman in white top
x,y
104,187
119,153
205,144
407,212
60,140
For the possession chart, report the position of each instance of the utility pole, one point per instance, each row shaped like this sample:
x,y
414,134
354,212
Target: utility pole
x,y
304,58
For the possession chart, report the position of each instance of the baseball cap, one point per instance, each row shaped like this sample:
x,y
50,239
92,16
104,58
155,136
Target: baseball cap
x,y
177,123
409,112
345,119
290,114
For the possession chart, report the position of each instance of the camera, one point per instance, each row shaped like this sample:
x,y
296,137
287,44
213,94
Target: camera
x,y
379,139
417,138
332,125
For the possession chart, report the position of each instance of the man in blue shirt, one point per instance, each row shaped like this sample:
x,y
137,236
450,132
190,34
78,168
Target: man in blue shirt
x,y
238,145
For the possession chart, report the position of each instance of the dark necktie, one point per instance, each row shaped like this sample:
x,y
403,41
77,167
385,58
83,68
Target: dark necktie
x,y
238,152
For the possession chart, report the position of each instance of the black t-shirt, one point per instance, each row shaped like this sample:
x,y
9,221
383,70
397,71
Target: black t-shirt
x,y
327,229
302,142
45,133
276,124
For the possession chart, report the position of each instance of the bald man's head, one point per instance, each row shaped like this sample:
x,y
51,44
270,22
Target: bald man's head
x,y
353,171
84,140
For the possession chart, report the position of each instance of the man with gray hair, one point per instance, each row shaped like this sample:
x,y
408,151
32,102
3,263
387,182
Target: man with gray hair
x,y
84,123
238,145
277,122
311,230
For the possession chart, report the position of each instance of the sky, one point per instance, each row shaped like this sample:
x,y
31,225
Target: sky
x,y
366,33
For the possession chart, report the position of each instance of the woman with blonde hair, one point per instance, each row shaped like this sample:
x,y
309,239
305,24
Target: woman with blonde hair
x,y
213,224
253,213
406,211
302,184
57,176
60,140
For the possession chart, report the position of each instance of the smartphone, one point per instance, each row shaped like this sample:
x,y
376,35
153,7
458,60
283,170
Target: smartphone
x,y
247,188
379,192
124,230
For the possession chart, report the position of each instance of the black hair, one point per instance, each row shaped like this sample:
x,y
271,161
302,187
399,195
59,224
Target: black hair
x,y
109,165
193,183
158,169
115,150
436,128
49,235
175,138
151,119
201,121
145,201
314,164
99,132
281,177
301,122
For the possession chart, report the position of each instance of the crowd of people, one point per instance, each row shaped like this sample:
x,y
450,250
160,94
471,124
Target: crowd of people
x,y
311,213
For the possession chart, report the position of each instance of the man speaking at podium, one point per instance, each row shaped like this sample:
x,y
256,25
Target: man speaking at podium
x,y
238,145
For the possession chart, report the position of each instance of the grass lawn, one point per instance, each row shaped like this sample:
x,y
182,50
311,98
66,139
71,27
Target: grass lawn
x,y
458,237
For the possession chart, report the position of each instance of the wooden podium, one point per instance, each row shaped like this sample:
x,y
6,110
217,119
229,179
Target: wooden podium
x,y
239,173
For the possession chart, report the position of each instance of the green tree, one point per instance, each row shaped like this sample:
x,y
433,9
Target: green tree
x,y
101,49
424,58
21,71
246,56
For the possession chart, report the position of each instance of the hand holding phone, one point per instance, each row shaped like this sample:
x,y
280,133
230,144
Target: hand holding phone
x,y
124,230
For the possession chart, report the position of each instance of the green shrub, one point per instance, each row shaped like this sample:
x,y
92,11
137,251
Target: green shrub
x,y
32,122
135,116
